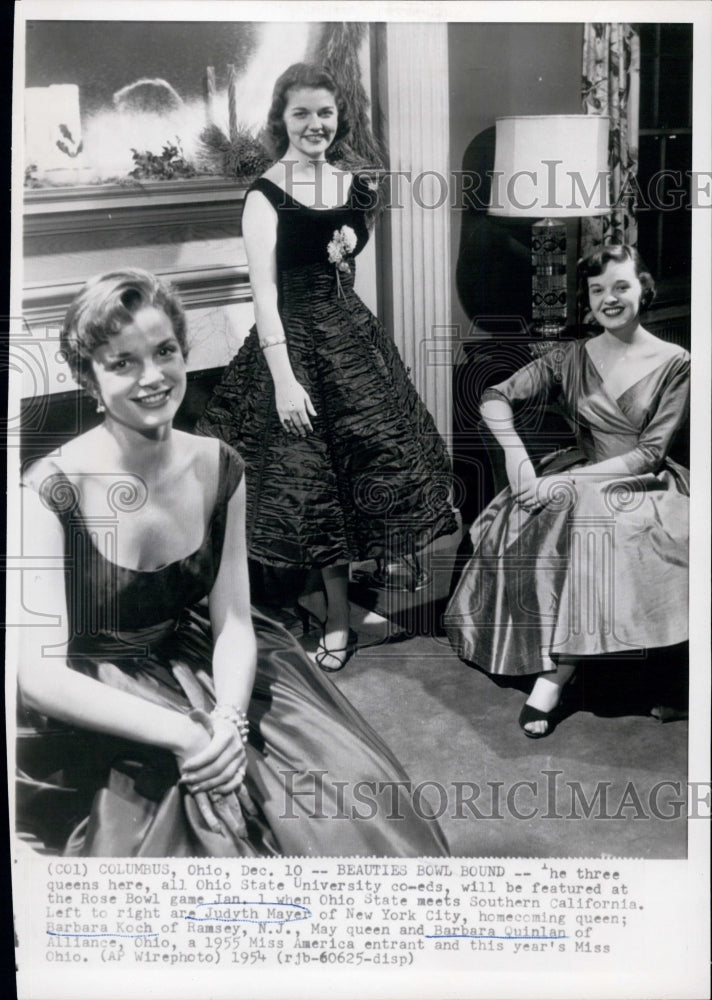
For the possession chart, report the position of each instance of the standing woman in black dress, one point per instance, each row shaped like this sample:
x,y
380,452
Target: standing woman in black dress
x,y
344,463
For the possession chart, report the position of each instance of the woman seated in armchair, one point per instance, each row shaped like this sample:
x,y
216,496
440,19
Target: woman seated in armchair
x,y
588,553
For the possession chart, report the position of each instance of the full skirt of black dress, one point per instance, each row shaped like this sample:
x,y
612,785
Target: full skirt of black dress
x,y
374,476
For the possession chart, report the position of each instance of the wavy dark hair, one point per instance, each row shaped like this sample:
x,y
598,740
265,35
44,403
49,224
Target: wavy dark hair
x,y
296,77
106,304
595,263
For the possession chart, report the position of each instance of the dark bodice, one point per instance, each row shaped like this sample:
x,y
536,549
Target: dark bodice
x,y
112,608
303,233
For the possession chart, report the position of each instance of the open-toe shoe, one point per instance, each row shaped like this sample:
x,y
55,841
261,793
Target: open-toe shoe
x,y
332,660
530,714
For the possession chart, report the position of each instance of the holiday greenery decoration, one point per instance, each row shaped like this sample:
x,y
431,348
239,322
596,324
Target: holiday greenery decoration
x,y
169,165
240,154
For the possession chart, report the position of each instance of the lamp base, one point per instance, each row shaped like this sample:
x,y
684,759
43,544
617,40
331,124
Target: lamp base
x,y
549,277
550,329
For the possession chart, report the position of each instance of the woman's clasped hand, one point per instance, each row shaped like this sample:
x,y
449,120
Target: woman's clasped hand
x,y
214,758
533,492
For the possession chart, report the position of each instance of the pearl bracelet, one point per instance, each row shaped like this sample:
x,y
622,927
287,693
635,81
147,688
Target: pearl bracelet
x,y
264,344
234,715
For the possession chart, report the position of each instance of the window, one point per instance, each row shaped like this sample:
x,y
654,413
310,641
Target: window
x,y
664,234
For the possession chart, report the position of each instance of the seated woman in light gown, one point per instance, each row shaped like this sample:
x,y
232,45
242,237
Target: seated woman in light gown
x,y
191,726
587,554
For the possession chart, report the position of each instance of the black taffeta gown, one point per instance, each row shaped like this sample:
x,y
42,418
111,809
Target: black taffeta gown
x,y
320,782
375,476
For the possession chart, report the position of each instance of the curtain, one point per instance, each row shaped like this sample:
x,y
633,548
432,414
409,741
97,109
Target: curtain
x,y
611,86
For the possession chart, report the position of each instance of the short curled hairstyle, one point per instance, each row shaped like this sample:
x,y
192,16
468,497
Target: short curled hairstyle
x,y
106,304
596,261
296,77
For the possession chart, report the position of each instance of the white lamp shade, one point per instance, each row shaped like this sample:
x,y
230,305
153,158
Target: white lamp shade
x,y
550,165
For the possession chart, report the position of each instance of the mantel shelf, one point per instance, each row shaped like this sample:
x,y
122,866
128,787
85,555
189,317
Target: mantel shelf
x,y
150,206
98,197
189,231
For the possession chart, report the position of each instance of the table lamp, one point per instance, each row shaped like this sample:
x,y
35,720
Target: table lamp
x,y
550,168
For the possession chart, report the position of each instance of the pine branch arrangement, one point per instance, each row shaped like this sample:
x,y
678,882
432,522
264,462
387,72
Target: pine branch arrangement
x,y
241,155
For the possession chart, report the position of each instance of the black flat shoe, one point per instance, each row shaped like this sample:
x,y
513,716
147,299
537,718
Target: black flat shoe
x,y
341,656
530,714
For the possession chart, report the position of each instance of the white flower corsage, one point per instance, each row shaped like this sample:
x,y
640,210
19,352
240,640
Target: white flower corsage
x,y
340,246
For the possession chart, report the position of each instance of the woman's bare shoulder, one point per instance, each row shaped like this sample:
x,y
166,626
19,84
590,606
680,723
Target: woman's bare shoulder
x,y
39,472
200,455
74,458
665,349
278,175
259,211
197,448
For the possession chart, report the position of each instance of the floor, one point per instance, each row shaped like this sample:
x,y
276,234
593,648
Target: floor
x,y
448,723
608,782
605,783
